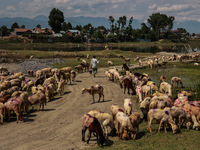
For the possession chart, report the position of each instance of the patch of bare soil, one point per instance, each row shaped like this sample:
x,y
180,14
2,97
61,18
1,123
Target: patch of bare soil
x,y
59,125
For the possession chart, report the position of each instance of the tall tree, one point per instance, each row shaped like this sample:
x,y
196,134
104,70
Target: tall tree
x,y
4,31
14,25
22,26
160,22
38,26
56,18
112,20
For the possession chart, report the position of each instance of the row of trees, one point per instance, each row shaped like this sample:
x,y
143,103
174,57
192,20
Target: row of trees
x,y
157,26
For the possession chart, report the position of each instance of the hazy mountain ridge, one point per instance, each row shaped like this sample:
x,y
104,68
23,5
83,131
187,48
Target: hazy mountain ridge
x,y
190,26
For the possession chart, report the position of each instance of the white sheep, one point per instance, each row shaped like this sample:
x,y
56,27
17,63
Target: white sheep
x,y
127,106
110,63
114,110
144,107
105,120
196,64
166,88
123,123
177,80
164,117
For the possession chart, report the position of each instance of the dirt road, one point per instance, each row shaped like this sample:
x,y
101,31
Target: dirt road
x,y
59,125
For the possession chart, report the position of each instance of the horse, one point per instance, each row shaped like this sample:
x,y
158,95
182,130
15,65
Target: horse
x,y
91,123
128,83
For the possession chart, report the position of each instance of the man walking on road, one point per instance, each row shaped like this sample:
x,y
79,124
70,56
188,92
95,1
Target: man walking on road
x,y
93,64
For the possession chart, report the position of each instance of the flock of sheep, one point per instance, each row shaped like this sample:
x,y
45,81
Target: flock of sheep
x,y
15,89
155,102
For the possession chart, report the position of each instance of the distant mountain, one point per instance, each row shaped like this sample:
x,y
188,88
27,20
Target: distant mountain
x,y
190,26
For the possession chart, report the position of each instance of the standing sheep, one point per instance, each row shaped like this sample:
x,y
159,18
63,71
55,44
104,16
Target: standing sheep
x,y
164,117
97,89
123,123
127,106
105,120
135,121
176,80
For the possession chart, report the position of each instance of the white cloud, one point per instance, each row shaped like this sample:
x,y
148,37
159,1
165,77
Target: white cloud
x,y
10,8
141,9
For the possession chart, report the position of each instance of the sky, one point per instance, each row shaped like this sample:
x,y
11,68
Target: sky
x,y
182,10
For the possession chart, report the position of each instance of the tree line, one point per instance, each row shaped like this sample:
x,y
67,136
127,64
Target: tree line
x,y
158,26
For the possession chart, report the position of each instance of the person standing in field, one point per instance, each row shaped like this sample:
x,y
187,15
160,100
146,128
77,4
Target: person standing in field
x,y
93,64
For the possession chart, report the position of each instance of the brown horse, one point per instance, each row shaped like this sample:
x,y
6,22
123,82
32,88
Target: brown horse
x,y
128,83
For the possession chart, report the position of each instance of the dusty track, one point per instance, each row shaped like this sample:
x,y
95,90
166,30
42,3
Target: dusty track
x,y
59,125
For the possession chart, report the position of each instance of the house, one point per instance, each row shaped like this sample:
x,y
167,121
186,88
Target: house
x,y
73,32
21,32
44,31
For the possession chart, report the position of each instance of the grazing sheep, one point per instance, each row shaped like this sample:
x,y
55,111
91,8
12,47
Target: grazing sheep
x,y
166,88
30,73
61,86
176,80
115,109
92,123
178,115
144,107
193,110
12,104
123,123
196,64
164,117
73,75
142,92
127,60
37,98
110,63
153,86
180,102
1,111
97,89
49,92
79,68
105,120
135,121
127,106
162,79
86,66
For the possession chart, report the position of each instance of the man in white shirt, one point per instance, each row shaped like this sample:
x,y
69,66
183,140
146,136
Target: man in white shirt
x,y
93,64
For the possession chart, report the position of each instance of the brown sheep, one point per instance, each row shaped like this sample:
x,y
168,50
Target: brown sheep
x,y
135,121
79,68
37,98
176,80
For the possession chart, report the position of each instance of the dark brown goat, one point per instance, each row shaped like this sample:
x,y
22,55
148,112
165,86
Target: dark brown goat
x,y
93,127
128,83
125,67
